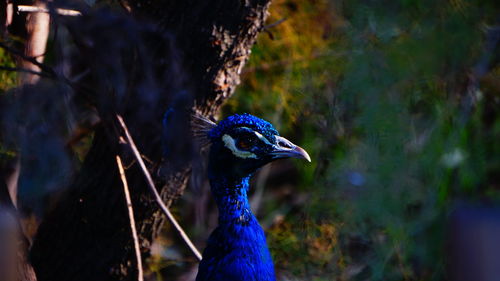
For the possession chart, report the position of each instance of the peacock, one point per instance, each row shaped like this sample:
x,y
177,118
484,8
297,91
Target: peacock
x,y
239,145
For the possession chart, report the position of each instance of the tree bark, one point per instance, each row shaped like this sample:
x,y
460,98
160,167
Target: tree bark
x,y
87,236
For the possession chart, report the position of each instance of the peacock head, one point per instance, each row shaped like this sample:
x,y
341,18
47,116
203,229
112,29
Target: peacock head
x,y
242,143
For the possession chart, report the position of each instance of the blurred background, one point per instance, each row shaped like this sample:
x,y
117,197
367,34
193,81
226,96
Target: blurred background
x,y
398,104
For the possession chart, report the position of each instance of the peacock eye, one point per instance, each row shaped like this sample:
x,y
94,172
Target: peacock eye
x,y
245,143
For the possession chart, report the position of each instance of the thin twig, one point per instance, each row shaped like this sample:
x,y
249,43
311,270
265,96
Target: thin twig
x,y
267,28
47,71
42,66
125,6
17,69
131,218
154,191
59,11
275,23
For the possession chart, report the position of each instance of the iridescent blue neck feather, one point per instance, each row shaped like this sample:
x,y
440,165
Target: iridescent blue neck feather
x,y
239,145
237,249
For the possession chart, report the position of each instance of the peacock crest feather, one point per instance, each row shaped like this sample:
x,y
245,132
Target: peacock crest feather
x,y
201,127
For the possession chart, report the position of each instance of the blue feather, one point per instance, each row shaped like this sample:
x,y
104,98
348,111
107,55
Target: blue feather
x,y
245,120
237,249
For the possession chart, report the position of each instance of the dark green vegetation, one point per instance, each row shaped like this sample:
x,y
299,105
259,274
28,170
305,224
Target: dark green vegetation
x,y
381,94
398,104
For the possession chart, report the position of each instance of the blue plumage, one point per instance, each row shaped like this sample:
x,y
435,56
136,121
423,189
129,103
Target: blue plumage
x,y
237,249
243,120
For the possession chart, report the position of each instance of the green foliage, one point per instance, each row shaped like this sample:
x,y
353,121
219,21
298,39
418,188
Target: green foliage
x,y
374,90
7,78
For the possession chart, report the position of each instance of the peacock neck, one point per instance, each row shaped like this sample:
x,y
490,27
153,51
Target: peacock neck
x,y
237,248
232,200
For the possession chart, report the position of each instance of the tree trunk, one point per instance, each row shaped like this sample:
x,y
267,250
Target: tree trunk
x,y
87,236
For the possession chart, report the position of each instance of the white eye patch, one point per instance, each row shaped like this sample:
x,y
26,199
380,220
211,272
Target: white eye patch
x,y
259,135
262,138
231,145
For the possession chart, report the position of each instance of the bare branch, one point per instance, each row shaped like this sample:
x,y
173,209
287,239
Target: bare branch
x,y
18,69
155,191
59,11
42,66
269,26
132,219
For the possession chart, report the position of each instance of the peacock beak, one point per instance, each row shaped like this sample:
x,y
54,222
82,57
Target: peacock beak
x,y
286,149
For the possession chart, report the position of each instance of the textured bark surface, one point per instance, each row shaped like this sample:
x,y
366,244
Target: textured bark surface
x,y
87,236
37,27
215,38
